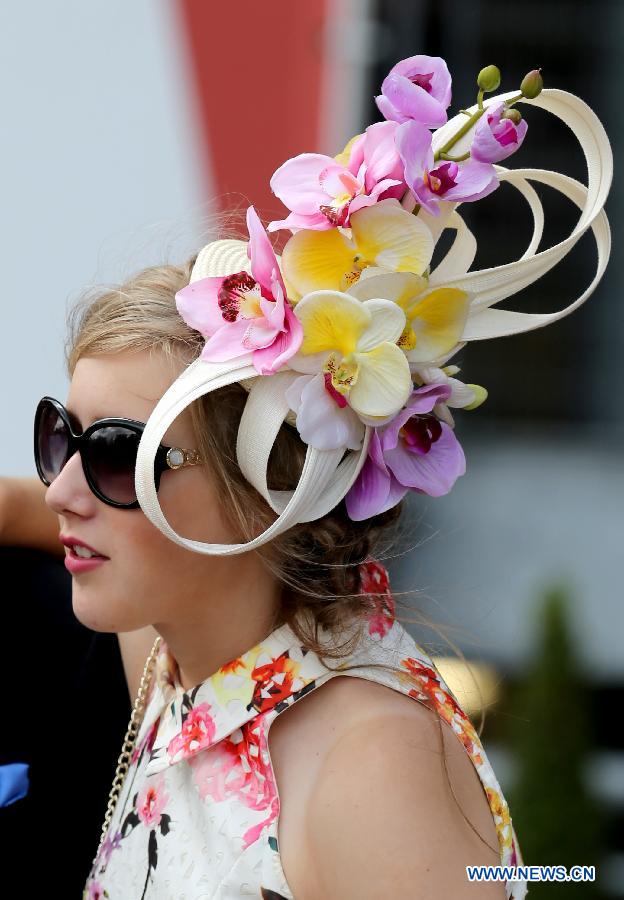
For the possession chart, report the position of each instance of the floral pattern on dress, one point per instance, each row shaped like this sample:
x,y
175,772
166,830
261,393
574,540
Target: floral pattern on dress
x,y
198,812
430,691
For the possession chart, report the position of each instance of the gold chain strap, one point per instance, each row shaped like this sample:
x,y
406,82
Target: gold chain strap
x,y
136,718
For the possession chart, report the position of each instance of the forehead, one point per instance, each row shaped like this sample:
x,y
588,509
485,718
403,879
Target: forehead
x,y
125,385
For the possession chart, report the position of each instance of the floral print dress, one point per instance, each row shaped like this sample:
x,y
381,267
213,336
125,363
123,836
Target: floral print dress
x,y
197,816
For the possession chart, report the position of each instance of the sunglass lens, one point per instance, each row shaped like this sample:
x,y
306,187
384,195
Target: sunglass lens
x,y
52,442
111,460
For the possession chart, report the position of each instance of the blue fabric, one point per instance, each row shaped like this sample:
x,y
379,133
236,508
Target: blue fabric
x,y
13,782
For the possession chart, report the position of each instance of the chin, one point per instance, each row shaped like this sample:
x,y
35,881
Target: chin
x,y
98,616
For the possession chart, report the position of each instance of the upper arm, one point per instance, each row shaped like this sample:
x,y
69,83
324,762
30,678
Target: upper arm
x,y
383,821
25,518
135,647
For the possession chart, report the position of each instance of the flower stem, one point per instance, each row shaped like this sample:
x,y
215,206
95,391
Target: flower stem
x,y
462,131
474,117
447,156
468,124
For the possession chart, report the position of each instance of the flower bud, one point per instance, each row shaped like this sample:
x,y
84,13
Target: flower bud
x,y
532,84
480,396
489,78
514,114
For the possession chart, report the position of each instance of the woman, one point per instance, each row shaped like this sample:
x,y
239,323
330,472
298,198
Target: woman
x,y
300,398
206,818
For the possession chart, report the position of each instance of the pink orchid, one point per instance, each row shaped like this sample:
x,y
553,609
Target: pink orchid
x,y
414,451
495,138
470,180
417,88
323,191
244,312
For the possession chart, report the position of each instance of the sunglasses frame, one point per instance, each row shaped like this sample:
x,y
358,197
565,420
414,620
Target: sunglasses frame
x,y
166,457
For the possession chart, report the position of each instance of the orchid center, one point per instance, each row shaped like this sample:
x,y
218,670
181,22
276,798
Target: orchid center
x,y
407,340
337,210
358,266
423,80
337,216
239,297
340,375
441,179
420,432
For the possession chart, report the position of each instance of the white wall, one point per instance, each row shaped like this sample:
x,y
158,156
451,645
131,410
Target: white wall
x,y
535,508
101,176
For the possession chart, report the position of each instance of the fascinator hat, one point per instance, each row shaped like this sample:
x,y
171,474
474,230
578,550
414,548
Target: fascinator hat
x,y
347,336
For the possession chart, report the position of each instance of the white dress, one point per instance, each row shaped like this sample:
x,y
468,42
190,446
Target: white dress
x,y
197,817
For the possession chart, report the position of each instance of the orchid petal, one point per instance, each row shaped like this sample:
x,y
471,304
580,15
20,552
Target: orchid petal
x,y
260,334
264,265
438,321
434,473
269,359
383,383
337,181
370,199
461,394
316,260
443,413
375,450
380,153
386,324
410,100
474,181
296,182
496,138
387,235
198,305
422,400
317,221
273,310
311,363
373,492
480,396
403,97
331,321
320,421
227,342
413,140
400,287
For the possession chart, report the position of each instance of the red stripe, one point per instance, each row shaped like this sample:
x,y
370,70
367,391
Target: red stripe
x,y
256,69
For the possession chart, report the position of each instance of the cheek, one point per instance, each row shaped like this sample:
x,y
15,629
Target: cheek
x,y
147,571
134,588
190,504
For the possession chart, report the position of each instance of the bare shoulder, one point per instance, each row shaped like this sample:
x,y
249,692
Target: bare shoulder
x,y
377,816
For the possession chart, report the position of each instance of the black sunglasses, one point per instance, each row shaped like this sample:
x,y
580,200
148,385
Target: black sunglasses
x,y
108,451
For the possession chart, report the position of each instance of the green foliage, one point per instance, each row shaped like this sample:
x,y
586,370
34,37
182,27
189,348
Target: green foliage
x,y
556,820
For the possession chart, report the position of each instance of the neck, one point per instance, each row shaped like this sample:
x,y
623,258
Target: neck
x,y
223,619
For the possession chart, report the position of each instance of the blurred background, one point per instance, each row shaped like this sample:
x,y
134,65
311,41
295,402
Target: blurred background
x,y
128,125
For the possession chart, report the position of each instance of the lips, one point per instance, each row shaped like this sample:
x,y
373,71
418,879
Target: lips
x,y
70,542
93,554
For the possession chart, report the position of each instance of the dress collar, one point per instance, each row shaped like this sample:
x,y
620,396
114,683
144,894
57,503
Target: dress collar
x,y
184,722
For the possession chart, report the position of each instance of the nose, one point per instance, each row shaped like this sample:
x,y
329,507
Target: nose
x,y
69,490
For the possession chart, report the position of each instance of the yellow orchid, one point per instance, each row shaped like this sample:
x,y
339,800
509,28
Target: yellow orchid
x,y
435,319
352,345
384,235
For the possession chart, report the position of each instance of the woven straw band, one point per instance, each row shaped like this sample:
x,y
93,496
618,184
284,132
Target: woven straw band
x,y
326,475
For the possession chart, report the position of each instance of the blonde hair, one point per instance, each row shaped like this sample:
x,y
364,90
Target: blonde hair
x,y
316,562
